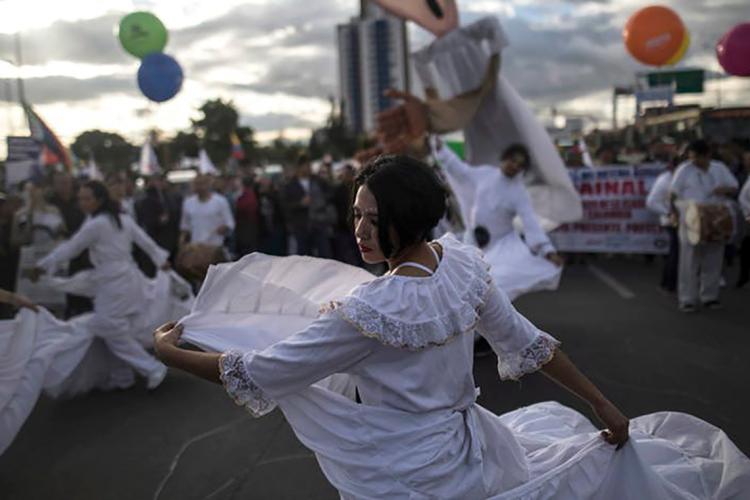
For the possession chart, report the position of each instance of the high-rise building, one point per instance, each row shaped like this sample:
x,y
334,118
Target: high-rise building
x,y
373,57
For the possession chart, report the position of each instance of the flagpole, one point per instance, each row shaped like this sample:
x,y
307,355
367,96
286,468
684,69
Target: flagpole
x,y
19,65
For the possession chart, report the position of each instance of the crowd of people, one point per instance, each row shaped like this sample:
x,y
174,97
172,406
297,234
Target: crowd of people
x,y
693,269
300,212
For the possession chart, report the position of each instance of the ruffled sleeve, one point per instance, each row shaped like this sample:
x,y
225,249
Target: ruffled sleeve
x,y
521,347
240,385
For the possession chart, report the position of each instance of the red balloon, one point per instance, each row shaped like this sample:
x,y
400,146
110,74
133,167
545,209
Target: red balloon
x,y
733,50
654,35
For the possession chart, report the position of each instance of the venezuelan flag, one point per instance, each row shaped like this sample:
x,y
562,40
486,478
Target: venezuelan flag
x,y
237,152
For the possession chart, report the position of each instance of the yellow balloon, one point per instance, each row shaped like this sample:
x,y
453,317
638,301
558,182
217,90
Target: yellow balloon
x,y
681,51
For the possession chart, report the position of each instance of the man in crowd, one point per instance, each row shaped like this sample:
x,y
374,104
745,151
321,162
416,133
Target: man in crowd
x,y
310,214
64,197
658,202
206,216
345,245
158,213
273,236
247,215
702,181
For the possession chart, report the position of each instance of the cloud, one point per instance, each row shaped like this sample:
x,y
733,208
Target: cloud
x,y
276,121
89,40
561,50
54,89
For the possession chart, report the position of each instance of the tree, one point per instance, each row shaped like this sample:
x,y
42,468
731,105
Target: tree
x,y
110,151
334,138
220,120
184,144
281,151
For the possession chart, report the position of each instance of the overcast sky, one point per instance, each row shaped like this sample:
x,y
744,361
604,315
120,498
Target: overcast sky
x,y
276,59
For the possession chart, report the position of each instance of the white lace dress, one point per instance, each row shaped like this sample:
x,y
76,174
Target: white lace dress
x,y
490,200
405,344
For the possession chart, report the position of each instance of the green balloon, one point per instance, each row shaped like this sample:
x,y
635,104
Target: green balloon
x,y
141,34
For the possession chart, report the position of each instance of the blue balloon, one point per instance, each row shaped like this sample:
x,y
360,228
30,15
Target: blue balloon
x,y
159,77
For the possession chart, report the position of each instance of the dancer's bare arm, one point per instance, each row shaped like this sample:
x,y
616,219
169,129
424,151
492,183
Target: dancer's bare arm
x,y
17,300
562,370
201,364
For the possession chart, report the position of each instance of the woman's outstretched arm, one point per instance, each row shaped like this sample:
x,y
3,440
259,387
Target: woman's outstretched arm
x,y
16,300
562,370
201,364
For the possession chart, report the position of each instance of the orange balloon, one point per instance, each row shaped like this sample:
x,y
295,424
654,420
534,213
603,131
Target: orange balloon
x,y
681,51
654,35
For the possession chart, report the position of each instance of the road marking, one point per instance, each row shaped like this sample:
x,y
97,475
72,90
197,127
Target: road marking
x,y
611,282
186,445
287,458
223,487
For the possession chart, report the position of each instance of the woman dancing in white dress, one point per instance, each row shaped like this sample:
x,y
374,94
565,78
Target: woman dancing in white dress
x,y
109,234
405,340
41,354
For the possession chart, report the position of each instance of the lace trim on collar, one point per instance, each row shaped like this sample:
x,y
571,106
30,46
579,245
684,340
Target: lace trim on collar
x,y
436,331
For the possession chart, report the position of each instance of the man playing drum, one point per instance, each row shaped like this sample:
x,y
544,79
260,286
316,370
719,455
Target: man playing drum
x,y
700,181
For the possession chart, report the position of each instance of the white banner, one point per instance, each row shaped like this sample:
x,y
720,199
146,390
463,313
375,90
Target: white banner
x,y
615,217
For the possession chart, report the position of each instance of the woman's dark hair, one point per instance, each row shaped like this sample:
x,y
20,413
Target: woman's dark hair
x,y
517,149
106,204
410,198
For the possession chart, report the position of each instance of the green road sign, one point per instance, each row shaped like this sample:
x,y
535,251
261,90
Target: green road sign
x,y
686,81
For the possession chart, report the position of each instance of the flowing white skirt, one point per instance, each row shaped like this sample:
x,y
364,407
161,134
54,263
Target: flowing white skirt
x,y
64,358
551,452
517,271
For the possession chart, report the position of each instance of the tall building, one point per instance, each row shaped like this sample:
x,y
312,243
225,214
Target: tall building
x,y
373,57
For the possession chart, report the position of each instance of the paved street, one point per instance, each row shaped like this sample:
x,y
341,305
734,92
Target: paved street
x,y
187,440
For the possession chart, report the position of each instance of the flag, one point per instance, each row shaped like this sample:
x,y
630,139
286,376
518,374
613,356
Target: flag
x,y
585,155
237,152
205,165
53,152
149,164
92,170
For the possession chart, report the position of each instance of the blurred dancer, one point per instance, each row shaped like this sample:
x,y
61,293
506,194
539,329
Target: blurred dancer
x,y
491,199
109,234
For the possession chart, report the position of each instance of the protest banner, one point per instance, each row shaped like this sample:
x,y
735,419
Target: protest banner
x,y
615,217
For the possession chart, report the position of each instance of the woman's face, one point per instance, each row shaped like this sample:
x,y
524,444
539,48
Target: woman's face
x,y
86,201
365,215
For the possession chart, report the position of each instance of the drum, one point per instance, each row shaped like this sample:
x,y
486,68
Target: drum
x,y
709,223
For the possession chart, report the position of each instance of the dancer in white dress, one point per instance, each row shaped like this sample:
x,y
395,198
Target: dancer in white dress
x,y
491,198
109,235
404,339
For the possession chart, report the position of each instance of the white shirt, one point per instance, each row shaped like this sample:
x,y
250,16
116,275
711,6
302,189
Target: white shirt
x,y
658,198
744,198
305,183
202,218
492,200
691,183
